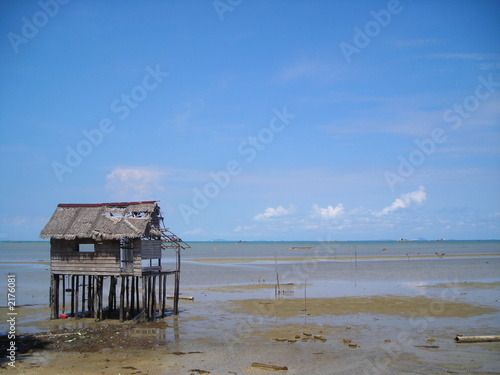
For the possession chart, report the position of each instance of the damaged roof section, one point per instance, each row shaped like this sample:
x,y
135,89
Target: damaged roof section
x,y
104,221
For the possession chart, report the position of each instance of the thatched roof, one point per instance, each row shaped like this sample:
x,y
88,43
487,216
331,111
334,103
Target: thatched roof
x,y
104,221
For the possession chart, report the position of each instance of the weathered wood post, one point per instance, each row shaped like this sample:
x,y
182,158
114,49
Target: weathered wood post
x,y
132,298
176,293
54,297
72,296
122,298
164,295
144,297
77,282
83,294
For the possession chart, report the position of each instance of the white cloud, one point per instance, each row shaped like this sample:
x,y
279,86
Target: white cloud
x,y
240,228
418,197
134,183
274,212
329,212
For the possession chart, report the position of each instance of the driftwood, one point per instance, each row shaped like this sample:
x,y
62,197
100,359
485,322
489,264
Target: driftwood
x,y
471,339
269,367
182,297
427,346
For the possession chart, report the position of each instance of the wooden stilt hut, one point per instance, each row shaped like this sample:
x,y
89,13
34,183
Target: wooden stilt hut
x,y
115,248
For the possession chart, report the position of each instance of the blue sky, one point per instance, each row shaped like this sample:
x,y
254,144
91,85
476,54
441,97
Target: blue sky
x,y
255,120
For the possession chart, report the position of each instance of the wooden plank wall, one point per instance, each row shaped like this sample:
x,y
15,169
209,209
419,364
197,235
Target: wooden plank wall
x,y
67,260
151,249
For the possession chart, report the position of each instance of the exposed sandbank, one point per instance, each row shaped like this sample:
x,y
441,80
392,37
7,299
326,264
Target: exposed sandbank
x,y
377,305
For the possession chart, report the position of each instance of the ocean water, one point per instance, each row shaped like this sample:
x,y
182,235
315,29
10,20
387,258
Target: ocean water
x,y
40,251
339,249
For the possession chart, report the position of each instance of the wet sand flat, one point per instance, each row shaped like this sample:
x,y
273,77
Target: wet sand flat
x,y
376,305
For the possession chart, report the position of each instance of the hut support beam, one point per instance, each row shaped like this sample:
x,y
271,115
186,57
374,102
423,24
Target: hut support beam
x,y
132,299
134,294
122,298
176,292
54,297
72,296
83,295
75,291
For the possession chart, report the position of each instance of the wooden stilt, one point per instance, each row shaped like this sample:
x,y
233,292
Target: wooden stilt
x,y
57,295
137,292
83,295
101,285
94,295
153,295
164,295
144,297
132,298
176,293
110,295
64,294
77,287
149,298
54,297
127,295
90,296
72,296
122,297
177,275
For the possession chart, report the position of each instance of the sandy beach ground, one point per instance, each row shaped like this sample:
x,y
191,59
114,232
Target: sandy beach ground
x,y
330,317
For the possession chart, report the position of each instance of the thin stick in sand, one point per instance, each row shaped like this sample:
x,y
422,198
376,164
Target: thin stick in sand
x,y
277,290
